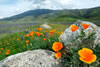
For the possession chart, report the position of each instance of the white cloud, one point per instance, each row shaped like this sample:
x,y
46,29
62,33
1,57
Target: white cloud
x,y
9,10
24,5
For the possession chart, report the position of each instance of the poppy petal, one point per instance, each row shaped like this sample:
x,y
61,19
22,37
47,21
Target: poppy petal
x,y
85,26
74,28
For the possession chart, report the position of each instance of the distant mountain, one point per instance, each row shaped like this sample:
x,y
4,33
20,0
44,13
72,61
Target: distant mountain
x,y
58,15
32,13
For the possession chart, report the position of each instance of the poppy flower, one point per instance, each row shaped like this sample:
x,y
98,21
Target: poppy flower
x,y
58,55
74,28
45,31
0,43
18,39
41,33
39,29
2,48
27,41
8,50
26,35
44,38
57,46
54,30
31,33
6,41
7,53
86,55
37,33
85,26
51,31
0,52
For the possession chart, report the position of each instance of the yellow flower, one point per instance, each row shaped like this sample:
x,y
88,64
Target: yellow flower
x,y
86,55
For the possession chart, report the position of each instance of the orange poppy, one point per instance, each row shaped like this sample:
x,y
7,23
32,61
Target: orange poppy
x,y
45,31
86,55
2,48
39,29
6,41
58,55
54,30
26,35
51,32
27,41
8,50
31,33
18,39
44,38
0,52
38,34
74,28
7,53
57,46
85,26
0,43
41,33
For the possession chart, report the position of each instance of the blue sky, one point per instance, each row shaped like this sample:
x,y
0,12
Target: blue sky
x,y
13,7
8,2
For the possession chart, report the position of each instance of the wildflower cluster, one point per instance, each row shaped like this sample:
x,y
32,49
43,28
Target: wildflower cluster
x,y
38,38
82,56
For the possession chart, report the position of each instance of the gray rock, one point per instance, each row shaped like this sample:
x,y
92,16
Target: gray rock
x,y
36,58
68,36
45,26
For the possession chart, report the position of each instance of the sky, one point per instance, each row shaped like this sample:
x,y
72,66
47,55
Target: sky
x,y
12,7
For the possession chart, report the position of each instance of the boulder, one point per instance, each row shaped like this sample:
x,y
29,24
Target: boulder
x,y
45,26
36,58
68,36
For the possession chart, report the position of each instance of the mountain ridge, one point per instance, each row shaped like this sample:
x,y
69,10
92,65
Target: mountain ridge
x,y
42,14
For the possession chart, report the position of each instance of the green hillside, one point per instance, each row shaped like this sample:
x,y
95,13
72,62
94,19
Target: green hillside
x,y
46,15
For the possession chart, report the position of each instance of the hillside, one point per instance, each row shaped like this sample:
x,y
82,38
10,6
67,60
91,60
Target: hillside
x,y
92,14
32,13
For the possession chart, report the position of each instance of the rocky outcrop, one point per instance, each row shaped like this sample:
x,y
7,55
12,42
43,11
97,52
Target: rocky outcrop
x,y
68,36
36,58
45,26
